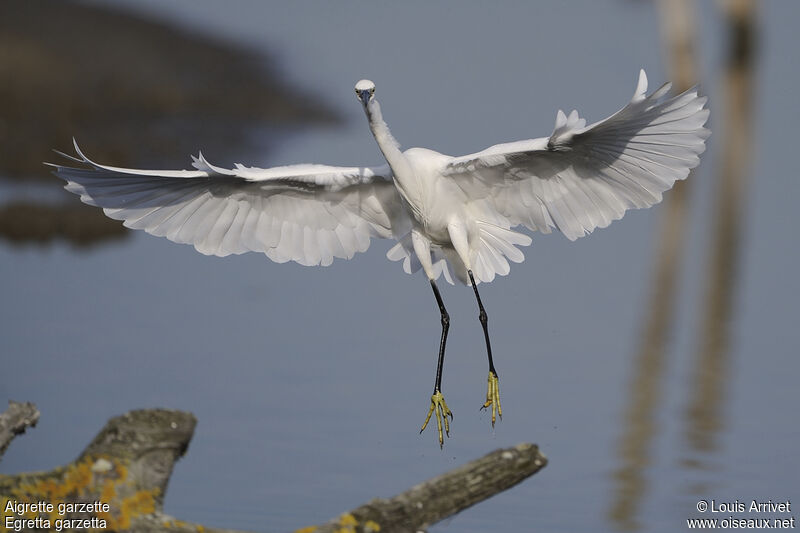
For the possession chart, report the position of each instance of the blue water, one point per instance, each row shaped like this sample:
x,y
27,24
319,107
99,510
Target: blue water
x,y
310,384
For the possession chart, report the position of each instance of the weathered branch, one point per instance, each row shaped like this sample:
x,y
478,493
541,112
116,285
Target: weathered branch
x,y
128,464
445,495
15,420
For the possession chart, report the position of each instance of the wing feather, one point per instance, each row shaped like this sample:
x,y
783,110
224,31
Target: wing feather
x,y
305,213
584,177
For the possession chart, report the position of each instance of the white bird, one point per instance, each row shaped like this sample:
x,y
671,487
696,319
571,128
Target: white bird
x,y
450,216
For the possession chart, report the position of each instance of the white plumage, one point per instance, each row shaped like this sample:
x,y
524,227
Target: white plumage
x,y
450,216
577,179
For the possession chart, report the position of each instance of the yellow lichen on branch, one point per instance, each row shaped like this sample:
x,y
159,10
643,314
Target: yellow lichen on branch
x,y
93,487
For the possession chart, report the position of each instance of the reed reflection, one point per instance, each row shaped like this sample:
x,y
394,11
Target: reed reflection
x,y
704,418
705,413
677,34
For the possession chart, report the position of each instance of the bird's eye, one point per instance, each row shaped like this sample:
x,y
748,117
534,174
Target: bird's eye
x,y
372,90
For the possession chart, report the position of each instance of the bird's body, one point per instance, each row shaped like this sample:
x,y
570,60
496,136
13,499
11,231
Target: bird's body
x,y
440,211
450,216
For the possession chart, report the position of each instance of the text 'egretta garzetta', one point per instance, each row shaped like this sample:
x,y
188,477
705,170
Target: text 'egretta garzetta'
x,y
450,216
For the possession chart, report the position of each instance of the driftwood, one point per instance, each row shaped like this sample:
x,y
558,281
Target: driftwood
x,y
443,496
120,479
125,469
17,418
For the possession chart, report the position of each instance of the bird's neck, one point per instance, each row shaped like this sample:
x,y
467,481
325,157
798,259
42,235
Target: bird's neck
x,y
388,145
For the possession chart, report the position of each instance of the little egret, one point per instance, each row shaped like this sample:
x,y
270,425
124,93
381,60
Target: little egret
x,y
450,216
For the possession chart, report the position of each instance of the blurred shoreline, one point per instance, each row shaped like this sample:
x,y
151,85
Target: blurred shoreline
x,y
133,91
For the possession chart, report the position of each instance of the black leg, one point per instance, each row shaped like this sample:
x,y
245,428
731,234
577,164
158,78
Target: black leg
x,y
484,318
493,387
438,404
445,328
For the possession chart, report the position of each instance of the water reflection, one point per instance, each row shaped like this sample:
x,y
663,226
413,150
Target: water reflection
x,y
25,222
149,94
705,413
639,428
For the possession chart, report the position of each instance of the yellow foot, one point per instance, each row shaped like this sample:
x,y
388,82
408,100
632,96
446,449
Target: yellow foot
x,y
493,397
439,406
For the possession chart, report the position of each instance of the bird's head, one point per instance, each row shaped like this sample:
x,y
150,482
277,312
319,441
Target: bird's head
x,y
365,90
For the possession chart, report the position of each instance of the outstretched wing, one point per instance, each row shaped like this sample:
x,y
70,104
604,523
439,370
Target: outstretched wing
x,y
304,213
584,177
